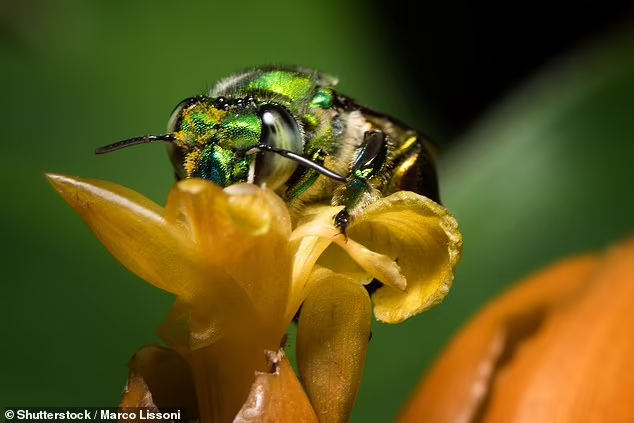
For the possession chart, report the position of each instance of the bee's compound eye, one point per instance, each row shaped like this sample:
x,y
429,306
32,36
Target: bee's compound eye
x,y
175,119
279,130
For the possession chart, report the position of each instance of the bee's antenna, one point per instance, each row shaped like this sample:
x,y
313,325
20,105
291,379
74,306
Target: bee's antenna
x,y
134,141
302,161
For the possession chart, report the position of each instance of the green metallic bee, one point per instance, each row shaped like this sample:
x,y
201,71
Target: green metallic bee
x,y
290,130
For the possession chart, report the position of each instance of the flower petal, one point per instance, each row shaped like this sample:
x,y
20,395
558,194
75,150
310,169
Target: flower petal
x,y
310,239
136,393
308,242
160,378
133,229
307,251
276,396
215,216
332,340
192,326
244,231
423,238
225,371
242,224
268,275
378,266
362,263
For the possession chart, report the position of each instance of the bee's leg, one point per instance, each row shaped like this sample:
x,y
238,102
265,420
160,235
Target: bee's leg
x,y
354,196
358,192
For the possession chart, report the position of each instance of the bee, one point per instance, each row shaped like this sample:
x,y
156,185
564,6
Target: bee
x,y
289,129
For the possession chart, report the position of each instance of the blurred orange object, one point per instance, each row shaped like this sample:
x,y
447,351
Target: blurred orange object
x,y
558,347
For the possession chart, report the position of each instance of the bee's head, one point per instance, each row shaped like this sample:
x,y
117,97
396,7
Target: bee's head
x,y
228,141
232,140
219,139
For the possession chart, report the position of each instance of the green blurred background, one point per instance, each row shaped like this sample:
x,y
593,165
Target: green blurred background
x,y
544,174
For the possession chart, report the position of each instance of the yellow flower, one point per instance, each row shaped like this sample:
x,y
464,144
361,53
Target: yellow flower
x,y
557,347
240,273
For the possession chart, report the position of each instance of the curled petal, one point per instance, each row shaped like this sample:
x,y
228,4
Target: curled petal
x,y
276,396
253,207
308,242
360,262
423,238
332,340
378,266
215,217
190,203
133,229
